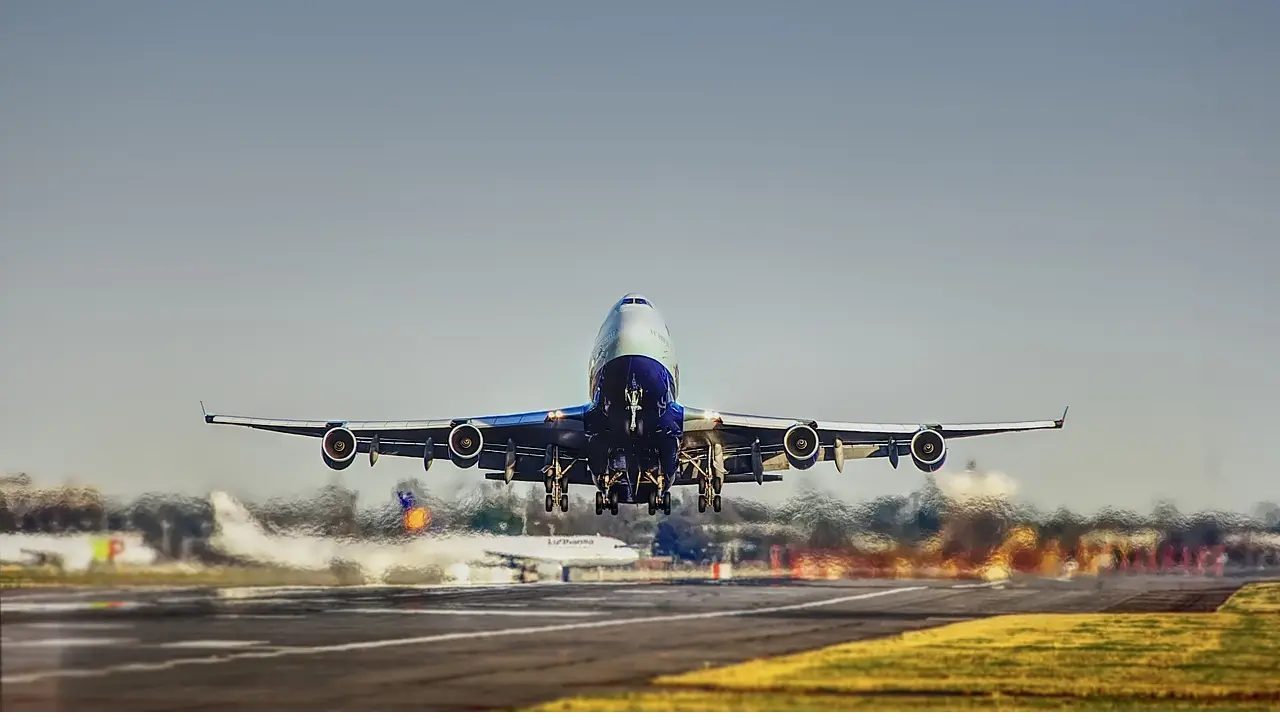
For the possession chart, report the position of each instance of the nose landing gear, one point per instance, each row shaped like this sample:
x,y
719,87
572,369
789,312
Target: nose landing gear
x,y
633,395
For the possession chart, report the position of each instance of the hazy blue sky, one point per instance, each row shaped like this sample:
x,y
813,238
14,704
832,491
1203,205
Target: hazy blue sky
x,y
858,211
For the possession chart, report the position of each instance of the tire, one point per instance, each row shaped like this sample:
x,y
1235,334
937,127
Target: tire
x,y
613,508
599,503
716,503
666,503
564,502
702,503
551,503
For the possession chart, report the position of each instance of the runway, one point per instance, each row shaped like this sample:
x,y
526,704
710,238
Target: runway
x,y
477,647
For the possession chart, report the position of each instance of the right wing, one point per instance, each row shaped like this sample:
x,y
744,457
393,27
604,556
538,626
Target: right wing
x,y
528,435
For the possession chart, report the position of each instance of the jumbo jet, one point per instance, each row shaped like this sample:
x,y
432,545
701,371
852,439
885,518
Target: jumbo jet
x,y
633,441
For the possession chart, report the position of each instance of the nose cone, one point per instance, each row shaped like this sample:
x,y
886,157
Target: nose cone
x,y
629,555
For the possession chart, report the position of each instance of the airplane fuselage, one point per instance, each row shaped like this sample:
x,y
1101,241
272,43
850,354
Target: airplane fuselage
x,y
633,423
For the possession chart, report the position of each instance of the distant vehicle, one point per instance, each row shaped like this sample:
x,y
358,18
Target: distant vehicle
x,y
632,441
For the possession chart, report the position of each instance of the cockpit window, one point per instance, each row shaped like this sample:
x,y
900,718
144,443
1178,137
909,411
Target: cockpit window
x,y
635,301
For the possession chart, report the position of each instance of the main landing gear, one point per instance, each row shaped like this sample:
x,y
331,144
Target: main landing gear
x,y
557,480
602,502
709,494
557,495
662,501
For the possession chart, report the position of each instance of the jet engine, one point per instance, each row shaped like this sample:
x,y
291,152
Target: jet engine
x,y
801,445
465,444
928,450
338,448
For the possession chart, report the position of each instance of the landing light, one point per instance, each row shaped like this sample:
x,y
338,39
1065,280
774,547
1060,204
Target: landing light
x,y
711,415
555,415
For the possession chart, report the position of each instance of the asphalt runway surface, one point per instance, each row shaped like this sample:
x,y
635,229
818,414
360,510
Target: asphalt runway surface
x,y
478,647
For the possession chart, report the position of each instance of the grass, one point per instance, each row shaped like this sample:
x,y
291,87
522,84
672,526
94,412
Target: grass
x,y
1225,660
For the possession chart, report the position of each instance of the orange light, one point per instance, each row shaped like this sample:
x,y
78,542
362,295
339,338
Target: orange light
x,y
417,519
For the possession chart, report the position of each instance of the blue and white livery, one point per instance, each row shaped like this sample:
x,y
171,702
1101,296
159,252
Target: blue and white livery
x,y
633,441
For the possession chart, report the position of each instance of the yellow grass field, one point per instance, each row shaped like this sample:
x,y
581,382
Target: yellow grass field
x,y
1225,660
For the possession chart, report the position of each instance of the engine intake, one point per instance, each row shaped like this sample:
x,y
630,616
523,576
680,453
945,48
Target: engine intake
x,y
465,444
928,450
338,448
801,445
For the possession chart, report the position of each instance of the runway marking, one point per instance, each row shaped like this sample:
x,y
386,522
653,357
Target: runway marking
x,y
24,596
643,592
993,584
481,611
67,642
73,625
67,606
210,644
426,639
250,616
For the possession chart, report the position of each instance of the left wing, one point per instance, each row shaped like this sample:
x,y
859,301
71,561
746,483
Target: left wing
x,y
731,444
516,444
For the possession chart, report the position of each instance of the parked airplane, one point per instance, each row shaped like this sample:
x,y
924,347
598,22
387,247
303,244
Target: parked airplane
x,y
75,551
633,441
238,534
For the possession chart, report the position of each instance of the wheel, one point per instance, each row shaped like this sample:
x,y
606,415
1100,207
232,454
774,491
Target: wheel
x,y
613,508
564,502
551,503
716,503
666,503
653,503
653,510
702,503
599,503
702,486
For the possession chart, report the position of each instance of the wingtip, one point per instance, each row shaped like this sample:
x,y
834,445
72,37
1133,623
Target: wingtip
x,y
1063,420
207,417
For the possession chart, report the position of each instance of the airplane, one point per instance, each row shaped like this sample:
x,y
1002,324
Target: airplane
x,y
633,441
238,534
75,551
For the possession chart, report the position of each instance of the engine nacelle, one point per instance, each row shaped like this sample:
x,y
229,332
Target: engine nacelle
x,y
338,448
928,450
801,445
465,444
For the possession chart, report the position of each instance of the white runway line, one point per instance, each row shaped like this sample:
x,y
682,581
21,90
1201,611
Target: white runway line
x,y
55,607
210,644
642,591
105,592
251,616
74,625
480,611
426,639
67,642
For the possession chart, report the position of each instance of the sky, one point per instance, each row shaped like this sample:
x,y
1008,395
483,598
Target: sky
x,y
881,212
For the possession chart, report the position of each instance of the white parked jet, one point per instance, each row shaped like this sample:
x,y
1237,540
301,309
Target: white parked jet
x,y
632,440
238,534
